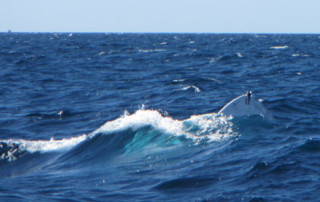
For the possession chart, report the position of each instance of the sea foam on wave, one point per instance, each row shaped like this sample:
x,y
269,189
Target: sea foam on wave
x,y
13,148
207,127
210,127
139,119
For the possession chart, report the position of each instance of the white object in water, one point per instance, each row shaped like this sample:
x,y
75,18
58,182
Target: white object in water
x,y
245,105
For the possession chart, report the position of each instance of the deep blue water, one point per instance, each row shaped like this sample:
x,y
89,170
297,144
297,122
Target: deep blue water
x,y
107,117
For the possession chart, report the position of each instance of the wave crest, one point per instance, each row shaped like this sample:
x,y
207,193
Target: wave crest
x,y
14,148
142,129
210,127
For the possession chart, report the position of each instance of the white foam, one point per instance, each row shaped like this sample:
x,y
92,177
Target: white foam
x,y
199,127
178,80
279,47
210,127
239,55
212,60
196,88
46,145
139,119
151,50
102,53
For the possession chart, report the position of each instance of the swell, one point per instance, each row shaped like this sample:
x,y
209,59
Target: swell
x,y
19,156
145,130
282,167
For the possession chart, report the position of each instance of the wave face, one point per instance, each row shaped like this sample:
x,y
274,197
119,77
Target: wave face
x,y
62,135
145,130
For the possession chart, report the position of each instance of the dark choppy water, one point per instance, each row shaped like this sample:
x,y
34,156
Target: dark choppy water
x,y
132,117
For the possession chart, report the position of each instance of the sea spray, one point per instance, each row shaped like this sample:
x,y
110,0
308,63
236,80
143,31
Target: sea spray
x,y
211,127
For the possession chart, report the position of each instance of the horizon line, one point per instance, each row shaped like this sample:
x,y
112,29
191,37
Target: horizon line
x,y
148,32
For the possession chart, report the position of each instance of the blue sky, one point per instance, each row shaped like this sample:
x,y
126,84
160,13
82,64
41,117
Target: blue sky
x,y
211,16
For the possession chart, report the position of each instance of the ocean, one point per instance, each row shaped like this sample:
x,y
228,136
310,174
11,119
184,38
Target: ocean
x,y
133,117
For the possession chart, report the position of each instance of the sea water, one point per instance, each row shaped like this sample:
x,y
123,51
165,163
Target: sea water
x,y
109,117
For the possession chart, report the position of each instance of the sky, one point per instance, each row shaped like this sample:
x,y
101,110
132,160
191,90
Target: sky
x,y
195,16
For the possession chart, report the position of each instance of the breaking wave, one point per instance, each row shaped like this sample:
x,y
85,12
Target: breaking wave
x,y
137,130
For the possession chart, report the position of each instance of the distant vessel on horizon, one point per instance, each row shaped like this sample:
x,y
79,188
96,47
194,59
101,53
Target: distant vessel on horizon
x,y
9,31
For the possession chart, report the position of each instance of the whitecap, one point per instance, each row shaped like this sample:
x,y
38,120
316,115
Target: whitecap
x,y
46,145
208,127
178,80
196,88
102,53
279,47
151,50
212,60
239,55
214,79
139,119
